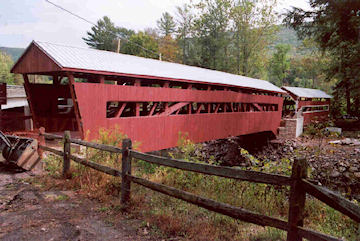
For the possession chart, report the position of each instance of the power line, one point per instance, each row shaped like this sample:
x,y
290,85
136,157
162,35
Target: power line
x,y
94,24
74,14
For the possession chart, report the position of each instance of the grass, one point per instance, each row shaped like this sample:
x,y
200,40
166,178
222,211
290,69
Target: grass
x,y
62,198
175,218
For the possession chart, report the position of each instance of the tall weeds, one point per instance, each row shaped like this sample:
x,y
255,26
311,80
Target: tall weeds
x,y
172,217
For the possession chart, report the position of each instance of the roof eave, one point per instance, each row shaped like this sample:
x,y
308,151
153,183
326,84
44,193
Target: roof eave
x,y
65,69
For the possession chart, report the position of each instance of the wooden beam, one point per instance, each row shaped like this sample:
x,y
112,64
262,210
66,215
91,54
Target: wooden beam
x,y
101,79
334,200
296,200
76,107
225,209
98,146
125,171
96,166
153,109
52,136
52,150
166,84
199,106
174,108
313,235
67,153
190,108
214,170
217,108
29,99
56,80
137,82
121,109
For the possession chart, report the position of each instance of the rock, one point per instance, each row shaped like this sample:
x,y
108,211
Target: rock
x,y
335,174
342,169
347,175
353,169
357,175
347,141
334,130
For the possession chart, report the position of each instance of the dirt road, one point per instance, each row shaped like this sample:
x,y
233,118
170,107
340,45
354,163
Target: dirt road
x,y
27,213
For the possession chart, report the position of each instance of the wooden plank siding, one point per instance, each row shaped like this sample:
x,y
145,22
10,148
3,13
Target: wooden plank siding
x,y
160,132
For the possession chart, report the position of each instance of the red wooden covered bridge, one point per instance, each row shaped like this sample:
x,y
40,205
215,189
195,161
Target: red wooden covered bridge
x,y
149,100
312,104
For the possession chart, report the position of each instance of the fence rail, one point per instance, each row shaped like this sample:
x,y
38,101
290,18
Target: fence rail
x,y
228,172
299,186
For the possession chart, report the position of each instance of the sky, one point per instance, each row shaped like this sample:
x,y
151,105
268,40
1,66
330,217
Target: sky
x,y
22,21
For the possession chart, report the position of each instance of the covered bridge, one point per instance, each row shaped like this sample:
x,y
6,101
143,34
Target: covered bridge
x,y
149,100
312,104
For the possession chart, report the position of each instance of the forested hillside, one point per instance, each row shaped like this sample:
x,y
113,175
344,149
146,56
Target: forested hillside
x,y
245,38
14,53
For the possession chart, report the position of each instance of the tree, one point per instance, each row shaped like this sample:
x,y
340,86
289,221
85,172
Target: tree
x,y
6,64
169,48
105,34
166,24
335,26
280,64
211,28
143,45
184,20
254,29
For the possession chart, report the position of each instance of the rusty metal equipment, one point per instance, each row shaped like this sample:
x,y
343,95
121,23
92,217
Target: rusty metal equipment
x,y
19,151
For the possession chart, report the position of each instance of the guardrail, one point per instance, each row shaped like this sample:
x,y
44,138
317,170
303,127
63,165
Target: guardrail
x,y
299,186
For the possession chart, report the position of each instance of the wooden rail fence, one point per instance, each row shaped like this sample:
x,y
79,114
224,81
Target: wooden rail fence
x,y
299,186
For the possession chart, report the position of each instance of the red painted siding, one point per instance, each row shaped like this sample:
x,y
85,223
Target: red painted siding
x,y
314,116
159,132
34,61
309,102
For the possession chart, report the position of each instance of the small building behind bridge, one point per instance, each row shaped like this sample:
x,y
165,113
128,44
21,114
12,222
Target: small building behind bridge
x,y
15,112
302,106
312,104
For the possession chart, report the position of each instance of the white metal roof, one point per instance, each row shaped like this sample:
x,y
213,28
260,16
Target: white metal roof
x,y
14,91
15,102
98,60
306,92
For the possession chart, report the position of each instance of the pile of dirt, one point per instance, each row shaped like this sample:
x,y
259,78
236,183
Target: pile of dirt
x,y
333,165
227,152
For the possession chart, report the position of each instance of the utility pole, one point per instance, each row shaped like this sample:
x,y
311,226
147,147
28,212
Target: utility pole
x,y
118,46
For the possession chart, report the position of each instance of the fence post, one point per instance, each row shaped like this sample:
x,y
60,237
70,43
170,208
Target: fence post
x,y
67,153
297,199
41,140
125,170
